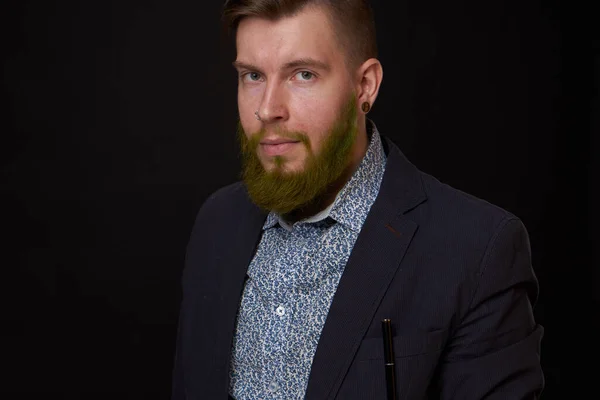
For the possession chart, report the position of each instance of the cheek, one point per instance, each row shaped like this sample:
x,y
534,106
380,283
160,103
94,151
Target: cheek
x,y
246,114
316,118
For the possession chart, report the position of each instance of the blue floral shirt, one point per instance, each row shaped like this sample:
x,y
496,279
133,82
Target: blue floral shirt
x,y
291,282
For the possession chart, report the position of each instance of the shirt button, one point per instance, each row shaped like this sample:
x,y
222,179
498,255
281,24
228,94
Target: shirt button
x,y
273,386
280,311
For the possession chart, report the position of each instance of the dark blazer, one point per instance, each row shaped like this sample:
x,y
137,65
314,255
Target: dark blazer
x,y
451,271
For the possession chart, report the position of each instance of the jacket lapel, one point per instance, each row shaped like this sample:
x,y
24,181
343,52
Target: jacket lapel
x,y
234,265
220,282
378,251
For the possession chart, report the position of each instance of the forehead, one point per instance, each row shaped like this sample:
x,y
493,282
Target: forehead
x,y
308,34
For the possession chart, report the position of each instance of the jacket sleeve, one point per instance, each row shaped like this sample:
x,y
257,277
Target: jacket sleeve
x,y
494,351
177,385
178,388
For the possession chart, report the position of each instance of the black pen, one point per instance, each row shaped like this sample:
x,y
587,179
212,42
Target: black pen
x,y
388,351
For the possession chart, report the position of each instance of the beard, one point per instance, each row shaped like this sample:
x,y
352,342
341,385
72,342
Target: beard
x,y
284,191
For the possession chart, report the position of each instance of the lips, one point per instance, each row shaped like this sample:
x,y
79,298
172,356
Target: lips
x,y
276,141
277,146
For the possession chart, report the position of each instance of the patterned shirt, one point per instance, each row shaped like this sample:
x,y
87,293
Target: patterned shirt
x,y
291,282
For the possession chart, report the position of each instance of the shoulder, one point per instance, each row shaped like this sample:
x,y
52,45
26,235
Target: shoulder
x,y
470,241
470,221
224,206
473,235
452,223
225,197
437,203
445,199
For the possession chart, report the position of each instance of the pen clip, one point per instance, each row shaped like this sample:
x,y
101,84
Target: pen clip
x,y
388,346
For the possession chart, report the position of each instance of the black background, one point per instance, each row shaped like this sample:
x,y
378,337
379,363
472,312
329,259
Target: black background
x,y
119,120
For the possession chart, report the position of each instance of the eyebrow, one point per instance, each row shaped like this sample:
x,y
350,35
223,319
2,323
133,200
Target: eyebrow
x,y
301,62
306,62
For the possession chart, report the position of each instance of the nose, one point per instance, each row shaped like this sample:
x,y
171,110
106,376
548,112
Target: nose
x,y
273,107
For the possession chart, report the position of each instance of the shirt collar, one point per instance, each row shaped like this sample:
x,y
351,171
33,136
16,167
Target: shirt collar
x,y
353,202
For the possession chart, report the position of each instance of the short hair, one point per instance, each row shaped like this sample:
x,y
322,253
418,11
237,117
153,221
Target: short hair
x,y
352,21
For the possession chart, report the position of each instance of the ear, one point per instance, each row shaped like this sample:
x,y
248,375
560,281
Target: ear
x,y
369,78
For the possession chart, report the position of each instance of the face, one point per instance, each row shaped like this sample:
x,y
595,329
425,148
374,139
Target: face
x,y
293,73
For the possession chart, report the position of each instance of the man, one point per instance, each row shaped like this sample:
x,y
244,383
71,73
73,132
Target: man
x,y
290,272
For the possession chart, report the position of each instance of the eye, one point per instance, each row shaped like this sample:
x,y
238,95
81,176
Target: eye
x,y
251,76
305,75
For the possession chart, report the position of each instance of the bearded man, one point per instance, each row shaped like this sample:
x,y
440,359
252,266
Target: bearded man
x,y
290,272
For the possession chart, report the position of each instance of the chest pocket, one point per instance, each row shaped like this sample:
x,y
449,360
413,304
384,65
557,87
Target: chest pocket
x,y
416,356
404,345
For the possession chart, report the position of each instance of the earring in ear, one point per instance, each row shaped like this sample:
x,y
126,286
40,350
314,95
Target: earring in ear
x,y
366,107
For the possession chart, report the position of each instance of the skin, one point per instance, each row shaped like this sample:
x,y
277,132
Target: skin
x,y
294,74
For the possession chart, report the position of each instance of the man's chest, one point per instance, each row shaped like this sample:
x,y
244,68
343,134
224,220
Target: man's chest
x,y
309,258
291,282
